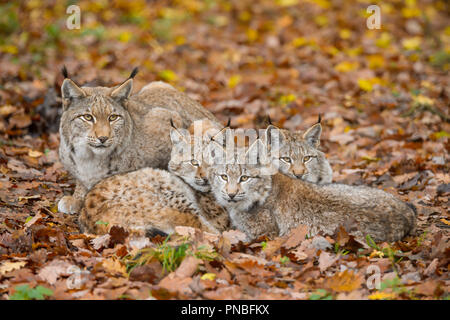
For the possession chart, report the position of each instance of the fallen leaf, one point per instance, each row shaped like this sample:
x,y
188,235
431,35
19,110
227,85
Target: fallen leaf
x,y
8,266
296,236
344,281
326,260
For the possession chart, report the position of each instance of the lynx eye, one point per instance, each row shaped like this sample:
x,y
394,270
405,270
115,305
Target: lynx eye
x,y
224,177
243,178
113,117
286,159
87,117
195,163
307,159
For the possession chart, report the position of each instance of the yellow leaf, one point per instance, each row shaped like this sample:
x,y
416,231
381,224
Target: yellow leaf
x,y
252,34
332,50
168,75
344,281
8,266
180,40
376,253
285,99
384,41
382,296
245,16
34,153
324,4
286,3
447,31
321,20
445,221
346,66
345,34
411,12
234,81
208,276
370,159
125,36
375,61
298,42
353,52
412,43
365,85
8,48
423,100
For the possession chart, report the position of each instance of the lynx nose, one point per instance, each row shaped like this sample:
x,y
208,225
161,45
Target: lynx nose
x,y
102,139
231,195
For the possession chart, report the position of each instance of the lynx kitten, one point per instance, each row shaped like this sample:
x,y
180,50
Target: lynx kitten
x,y
295,154
106,131
246,193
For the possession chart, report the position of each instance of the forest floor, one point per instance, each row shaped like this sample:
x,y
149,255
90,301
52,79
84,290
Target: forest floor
x,y
384,95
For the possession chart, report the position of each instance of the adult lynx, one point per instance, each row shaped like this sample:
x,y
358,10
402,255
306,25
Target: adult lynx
x,y
106,131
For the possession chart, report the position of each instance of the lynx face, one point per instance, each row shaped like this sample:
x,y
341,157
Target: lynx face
x,y
295,154
239,186
94,118
187,155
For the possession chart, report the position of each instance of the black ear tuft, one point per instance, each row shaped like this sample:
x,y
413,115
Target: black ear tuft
x,y
133,73
228,122
320,118
64,72
171,123
269,120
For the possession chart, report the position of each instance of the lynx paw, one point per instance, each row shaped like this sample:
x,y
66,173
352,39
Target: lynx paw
x,y
69,205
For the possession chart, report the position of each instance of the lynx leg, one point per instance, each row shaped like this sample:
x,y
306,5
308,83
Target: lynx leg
x,y
72,204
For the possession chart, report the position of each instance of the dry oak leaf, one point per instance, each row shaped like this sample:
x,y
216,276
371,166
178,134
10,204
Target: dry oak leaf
x,y
188,267
8,266
428,288
113,266
296,237
326,260
52,271
344,281
234,236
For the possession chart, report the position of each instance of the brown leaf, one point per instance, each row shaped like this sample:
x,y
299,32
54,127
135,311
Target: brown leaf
x,y
150,272
20,121
118,235
342,236
326,260
296,237
428,288
344,281
52,271
188,267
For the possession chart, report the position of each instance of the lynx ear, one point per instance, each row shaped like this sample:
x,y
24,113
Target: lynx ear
x,y
175,135
220,136
70,90
312,135
124,90
273,137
